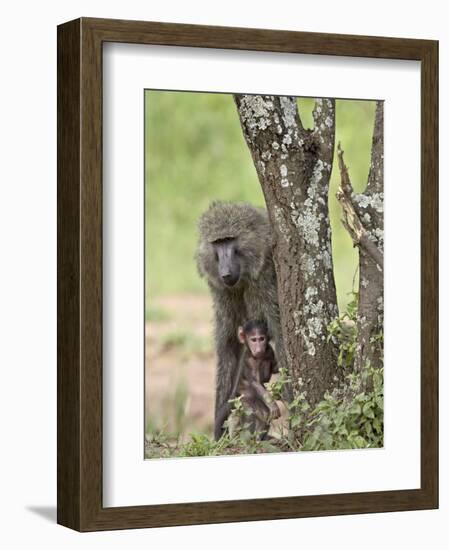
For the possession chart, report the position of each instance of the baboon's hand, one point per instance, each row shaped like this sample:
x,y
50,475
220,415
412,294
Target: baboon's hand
x,y
274,411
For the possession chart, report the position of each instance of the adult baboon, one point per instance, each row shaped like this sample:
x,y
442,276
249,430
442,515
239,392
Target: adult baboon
x,y
235,256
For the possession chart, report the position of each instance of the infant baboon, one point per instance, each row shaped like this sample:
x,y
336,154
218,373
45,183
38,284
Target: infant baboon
x,y
256,366
235,256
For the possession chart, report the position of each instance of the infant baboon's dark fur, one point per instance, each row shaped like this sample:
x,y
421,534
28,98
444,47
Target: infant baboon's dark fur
x,y
235,256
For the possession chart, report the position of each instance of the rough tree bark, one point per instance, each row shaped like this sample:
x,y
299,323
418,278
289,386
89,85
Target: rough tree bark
x,y
294,167
364,220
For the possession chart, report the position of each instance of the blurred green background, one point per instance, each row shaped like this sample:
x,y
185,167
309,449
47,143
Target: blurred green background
x,y
195,152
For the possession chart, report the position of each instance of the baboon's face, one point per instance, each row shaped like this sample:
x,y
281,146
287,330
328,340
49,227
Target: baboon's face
x,y
257,342
229,261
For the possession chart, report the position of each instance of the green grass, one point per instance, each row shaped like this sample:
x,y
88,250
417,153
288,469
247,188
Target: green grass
x,y
195,153
160,444
186,343
156,314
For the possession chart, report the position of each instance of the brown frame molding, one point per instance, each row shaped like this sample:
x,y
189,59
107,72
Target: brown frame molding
x,y
80,273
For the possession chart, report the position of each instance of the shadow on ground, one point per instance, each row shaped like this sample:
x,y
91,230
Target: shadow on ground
x,y
46,512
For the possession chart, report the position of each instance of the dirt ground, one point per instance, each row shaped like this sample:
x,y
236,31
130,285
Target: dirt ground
x,y
179,365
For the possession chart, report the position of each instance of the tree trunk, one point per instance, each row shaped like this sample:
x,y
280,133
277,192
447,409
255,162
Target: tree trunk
x,y
363,218
294,167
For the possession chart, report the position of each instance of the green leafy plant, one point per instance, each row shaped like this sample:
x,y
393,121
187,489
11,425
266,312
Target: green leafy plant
x,y
343,329
348,418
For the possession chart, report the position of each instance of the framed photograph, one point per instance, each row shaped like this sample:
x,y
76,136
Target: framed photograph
x,y
247,274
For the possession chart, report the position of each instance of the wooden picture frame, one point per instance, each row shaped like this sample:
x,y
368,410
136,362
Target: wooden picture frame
x,y
80,351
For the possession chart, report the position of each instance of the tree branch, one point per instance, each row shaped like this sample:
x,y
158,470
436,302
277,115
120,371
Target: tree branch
x,y
363,213
360,236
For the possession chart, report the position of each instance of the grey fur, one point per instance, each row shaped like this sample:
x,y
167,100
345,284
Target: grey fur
x,y
253,297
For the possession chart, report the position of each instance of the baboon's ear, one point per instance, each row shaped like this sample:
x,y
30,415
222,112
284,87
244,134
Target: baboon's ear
x,y
241,335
